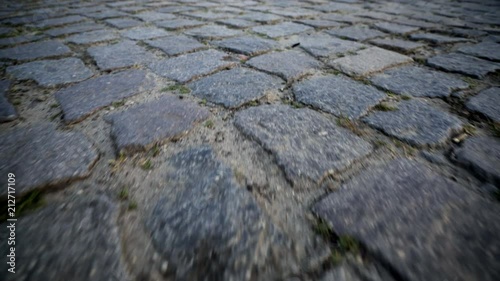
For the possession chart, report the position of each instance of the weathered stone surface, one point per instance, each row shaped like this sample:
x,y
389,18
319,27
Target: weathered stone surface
x,y
92,37
213,32
123,22
154,16
141,126
481,155
320,23
456,62
41,156
7,110
281,29
425,226
395,28
206,15
20,39
415,122
487,50
232,88
247,45
51,72
368,61
143,33
204,215
59,21
322,45
436,38
357,32
35,50
105,14
175,45
186,67
178,23
306,144
76,28
261,17
418,82
81,243
397,44
289,65
123,54
84,98
487,103
341,96
237,23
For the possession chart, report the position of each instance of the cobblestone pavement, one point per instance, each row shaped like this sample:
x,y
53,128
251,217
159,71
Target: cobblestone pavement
x,y
251,140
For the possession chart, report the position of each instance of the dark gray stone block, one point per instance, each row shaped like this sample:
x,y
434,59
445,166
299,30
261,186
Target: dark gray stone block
x,y
178,24
232,88
187,67
487,50
425,226
41,156
247,45
69,240
51,72
20,39
123,54
139,127
154,16
416,122
323,45
436,38
94,36
281,29
468,65
395,28
144,33
35,50
338,95
487,102
7,110
122,23
305,143
84,98
176,45
397,44
213,32
357,32
76,28
59,21
418,82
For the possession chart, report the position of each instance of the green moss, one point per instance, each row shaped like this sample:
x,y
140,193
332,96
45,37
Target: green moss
x,y
203,102
123,194
31,201
118,103
132,205
54,105
406,97
177,88
323,229
210,124
147,165
469,129
385,107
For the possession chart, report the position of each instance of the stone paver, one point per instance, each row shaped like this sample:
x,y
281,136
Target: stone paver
x,y
232,227
281,29
416,122
84,98
213,32
338,95
7,110
232,88
51,72
426,226
143,33
90,37
41,156
481,155
81,243
119,55
486,50
122,23
368,61
468,65
247,45
59,21
187,67
154,16
418,82
397,44
305,144
35,51
320,23
178,24
437,38
141,126
358,33
261,17
176,45
76,28
289,65
323,45
20,39
395,28
237,23
487,103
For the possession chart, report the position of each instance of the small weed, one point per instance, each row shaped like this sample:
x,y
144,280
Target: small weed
x,y
253,103
469,129
16,102
495,128
348,244
155,150
118,103
472,82
379,143
420,60
123,194
203,102
385,107
177,88
344,121
335,257
391,94
323,229
146,164
407,149
31,201
351,53
132,205
115,164
210,124
297,104
406,97
55,116
54,105
334,72
343,37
